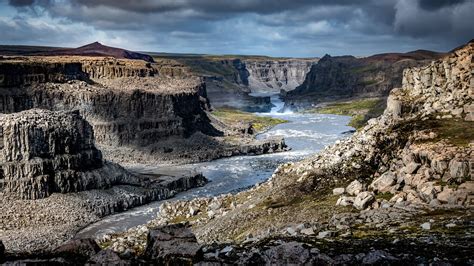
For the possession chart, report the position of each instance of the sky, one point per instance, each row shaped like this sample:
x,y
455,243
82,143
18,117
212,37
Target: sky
x,y
292,28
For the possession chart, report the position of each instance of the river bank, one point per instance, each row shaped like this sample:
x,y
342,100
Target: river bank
x,y
39,226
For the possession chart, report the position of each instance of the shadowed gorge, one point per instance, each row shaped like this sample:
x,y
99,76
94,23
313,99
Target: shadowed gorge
x,y
236,132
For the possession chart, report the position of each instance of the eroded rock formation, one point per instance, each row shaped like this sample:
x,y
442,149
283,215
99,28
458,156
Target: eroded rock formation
x,y
128,103
273,76
44,152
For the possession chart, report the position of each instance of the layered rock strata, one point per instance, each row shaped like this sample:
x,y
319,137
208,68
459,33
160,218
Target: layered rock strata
x,y
43,152
131,105
273,76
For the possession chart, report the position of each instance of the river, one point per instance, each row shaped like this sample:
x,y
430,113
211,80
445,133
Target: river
x,y
305,134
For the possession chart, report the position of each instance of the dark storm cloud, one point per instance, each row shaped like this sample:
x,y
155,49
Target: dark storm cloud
x,y
276,27
437,4
21,2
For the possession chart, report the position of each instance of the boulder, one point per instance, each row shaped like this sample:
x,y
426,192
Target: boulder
x,y
43,152
427,191
173,244
411,168
378,257
394,107
363,200
451,196
287,253
384,182
106,257
338,191
459,169
354,187
81,249
345,201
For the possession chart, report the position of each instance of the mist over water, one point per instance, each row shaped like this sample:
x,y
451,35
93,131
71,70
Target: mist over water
x,y
305,134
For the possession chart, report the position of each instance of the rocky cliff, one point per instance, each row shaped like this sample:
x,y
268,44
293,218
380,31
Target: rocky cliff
x,y
140,111
273,76
229,81
44,152
129,103
344,77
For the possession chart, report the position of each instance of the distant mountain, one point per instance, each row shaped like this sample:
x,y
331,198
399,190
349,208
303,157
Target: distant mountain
x,y
98,49
93,49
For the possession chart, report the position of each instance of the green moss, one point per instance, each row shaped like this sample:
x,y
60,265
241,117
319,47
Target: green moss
x,y
259,123
367,82
385,196
362,69
456,131
360,110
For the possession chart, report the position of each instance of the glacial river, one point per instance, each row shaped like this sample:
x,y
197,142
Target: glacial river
x,y
305,134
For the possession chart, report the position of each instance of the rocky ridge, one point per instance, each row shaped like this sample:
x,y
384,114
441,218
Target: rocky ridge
x,y
345,77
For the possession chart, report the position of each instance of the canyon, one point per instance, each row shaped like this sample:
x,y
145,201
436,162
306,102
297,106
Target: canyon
x,y
399,189
246,82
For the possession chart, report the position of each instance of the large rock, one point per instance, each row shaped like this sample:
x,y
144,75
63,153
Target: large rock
x,y
80,249
42,152
287,253
384,182
355,187
173,244
106,257
363,200
459,169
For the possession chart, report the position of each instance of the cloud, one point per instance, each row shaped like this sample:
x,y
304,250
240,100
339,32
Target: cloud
x,y
272,27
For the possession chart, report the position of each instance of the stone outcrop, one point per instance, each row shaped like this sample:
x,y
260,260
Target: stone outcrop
x,y
342,77
174,244
44,152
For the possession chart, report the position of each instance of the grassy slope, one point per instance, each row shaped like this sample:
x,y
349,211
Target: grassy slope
x,y
360,110
259,123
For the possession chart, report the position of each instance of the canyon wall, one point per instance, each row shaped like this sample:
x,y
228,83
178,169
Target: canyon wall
x,y
273,76
127,102
345,77
44,152
230,82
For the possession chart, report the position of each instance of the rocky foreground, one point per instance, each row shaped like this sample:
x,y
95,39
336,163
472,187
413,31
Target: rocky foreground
x,y
399,190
